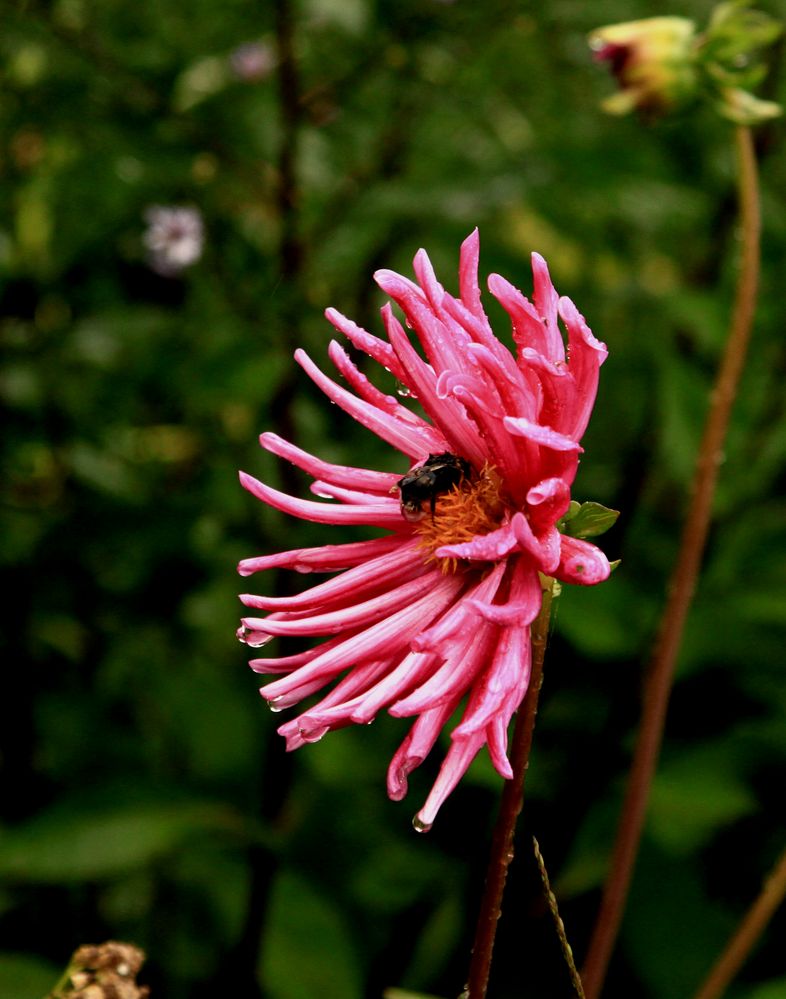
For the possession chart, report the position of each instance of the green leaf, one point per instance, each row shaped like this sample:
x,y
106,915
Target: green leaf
x,y
775,989
68,845
672,929
308,949
587,520
25,976
693,796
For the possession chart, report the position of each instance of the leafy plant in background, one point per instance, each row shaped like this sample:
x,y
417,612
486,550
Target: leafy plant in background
x,y
144,795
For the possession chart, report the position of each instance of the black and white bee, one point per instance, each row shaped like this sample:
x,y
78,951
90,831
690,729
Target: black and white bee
x,y
438,474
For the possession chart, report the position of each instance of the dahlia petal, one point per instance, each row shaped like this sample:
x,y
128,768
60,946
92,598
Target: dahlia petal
x,y
502,452
376,514
364,388
355,615
463,660
582,563
454,766
377,349
543,436
558,391
405,438
449,417
477,327
469,286
514,391
412,669
586,356
544,548
286,664
497,742
546,302
381,640
437,345
326,558
548,501
329,491
332,711
528,328
524,598
415,748
508,672
387,569
485,547
341,475
431,638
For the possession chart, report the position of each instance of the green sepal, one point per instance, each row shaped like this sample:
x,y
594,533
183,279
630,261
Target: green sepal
x,y
744,109
587,520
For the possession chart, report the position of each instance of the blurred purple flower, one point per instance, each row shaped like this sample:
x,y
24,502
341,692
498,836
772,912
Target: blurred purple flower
x,y
174,238
252,61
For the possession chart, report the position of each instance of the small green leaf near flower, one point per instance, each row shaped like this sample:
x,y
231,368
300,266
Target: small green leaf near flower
x,y
587,520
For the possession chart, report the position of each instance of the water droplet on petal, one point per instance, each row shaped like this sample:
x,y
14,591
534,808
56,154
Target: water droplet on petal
x,y
311,731
255,639
419,826
404,391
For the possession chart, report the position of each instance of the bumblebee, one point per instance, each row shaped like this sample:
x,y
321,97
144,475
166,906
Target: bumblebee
x,y
439,473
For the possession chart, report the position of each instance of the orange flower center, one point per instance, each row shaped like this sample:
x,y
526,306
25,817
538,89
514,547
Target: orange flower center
x,y
475,506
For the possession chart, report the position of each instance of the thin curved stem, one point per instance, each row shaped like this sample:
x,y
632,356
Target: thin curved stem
x,y
749,931
683,579
510,807
559,926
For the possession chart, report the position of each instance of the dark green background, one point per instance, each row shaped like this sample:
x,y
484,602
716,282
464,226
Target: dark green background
x,y
144,793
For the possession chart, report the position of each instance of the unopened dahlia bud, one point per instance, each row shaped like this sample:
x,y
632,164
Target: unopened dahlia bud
x,y
663,63
653,61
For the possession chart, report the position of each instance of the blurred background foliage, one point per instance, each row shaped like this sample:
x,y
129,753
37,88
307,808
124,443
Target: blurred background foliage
x,y
145,795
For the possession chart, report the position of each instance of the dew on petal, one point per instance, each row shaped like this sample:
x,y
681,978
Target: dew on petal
x,y
419,826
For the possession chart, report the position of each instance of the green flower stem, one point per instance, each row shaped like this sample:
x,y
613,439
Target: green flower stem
x,y
683,579
510,807
749,931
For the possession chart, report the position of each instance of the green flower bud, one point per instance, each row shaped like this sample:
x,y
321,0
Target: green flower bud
x,y
653,61
661,63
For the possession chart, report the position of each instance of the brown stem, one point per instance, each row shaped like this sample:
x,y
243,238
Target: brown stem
x,y
683,579
749,931
510,806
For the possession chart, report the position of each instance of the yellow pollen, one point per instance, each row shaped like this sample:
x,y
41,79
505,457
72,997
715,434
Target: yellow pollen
x,y
475,506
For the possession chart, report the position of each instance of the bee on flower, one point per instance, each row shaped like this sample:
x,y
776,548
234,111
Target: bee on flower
x,y
436,612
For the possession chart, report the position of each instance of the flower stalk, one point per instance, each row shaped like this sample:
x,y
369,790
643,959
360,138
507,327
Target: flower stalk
x,y
749,931
510,808
684,577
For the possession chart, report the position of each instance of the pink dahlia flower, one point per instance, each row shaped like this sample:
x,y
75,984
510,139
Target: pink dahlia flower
x,y
437,610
